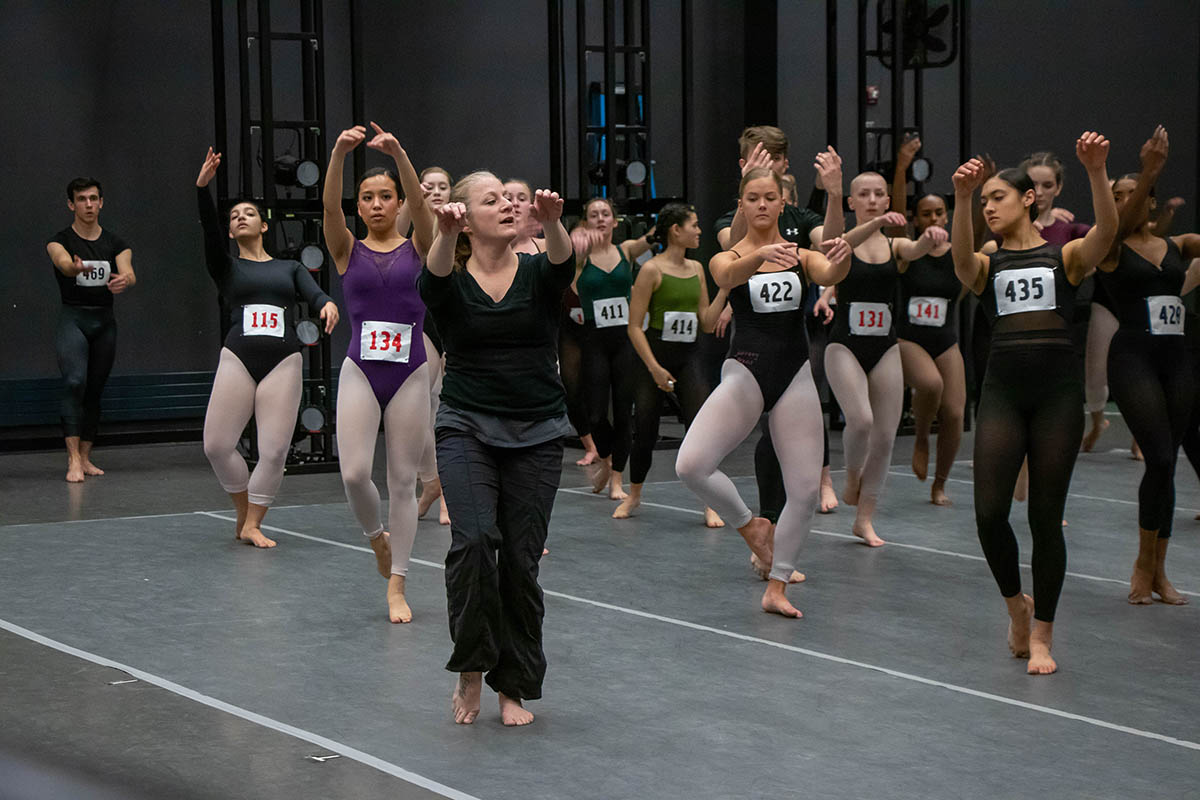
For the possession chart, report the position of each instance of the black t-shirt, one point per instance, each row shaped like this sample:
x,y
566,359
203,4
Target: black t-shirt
x,y
795,224
90,287
501,358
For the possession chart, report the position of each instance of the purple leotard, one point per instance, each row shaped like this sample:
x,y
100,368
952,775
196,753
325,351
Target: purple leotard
x,y
382,288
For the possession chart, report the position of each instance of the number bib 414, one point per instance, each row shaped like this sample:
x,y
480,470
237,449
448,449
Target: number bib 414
x,y
772,292
1021,290
928,311
610,312
95,273
679,326
870,319
1166,315
262,320
385,341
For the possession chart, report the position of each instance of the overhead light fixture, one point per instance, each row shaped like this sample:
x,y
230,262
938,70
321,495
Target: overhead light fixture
x,y
291,171
308,332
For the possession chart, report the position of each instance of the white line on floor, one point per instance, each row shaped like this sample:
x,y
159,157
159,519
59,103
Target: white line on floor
x,y
250,716
122,519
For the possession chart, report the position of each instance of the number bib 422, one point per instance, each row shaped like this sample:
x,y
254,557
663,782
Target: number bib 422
x,y
610,312
772,292
385,341
1021,290
928,311
870,319
95,273
262,320
679,326
1166,315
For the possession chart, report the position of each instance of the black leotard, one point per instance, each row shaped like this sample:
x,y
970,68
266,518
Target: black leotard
x,y
864,320
928,309
769,337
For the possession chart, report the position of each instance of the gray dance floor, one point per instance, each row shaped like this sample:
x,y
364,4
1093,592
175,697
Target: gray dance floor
x,y
143,653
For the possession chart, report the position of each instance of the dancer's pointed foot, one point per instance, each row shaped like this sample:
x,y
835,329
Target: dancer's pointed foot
x,y
711,520
430,491
398,610
1020,613
920,457
774,601
381,545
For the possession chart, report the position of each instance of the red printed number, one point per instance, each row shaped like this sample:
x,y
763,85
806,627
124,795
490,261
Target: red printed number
x,y
387,341
870,319
267,320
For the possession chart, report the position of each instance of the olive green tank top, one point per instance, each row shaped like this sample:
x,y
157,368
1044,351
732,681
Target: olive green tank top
x,y
674,294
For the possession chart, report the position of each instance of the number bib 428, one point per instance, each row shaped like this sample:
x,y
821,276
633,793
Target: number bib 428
x,y
262,320
870,319
385,341
610,312
772,292
928,311
679,326
1166,315
95,273
1021,290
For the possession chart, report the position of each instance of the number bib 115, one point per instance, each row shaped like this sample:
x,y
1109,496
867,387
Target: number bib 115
x,y
1166,315
1021,290
262,320
610,312
95,273
385,341
679,326
870,319
772,292
928,311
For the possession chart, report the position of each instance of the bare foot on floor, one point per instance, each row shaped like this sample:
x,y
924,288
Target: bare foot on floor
x,y
774,601
1019,627
711,520
1141,583
430,491
829,500
920,459
627,507
1090,438
1165,591
866,532
398,610
382,546
937,493
255,537
91,469
444,513
1135,452
615,490
589,458
598,474
512,713
74,472
763,571
465,699
1040,641
850,493
758,533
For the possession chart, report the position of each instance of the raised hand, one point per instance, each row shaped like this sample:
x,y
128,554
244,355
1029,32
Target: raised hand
x,y
829,170
1174,203
759,157
892,219
547,206
785,254
451,218
968,177
349,139
1062,215
989,166
908,149
836,250
384,142
1154,151
936,234
329,313
1092,150
209,169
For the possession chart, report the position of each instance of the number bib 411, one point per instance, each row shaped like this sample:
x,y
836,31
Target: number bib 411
x,y
95,273
870,319
385,341
1021,290
928,311
772,292
262,320
610,312
679,326
1166,315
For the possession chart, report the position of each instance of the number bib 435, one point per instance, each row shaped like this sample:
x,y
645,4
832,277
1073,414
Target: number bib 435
x,y
95,273
679,326
772,292
385,341
870,319
1166,315
928,311
1021,290
262,320
610,312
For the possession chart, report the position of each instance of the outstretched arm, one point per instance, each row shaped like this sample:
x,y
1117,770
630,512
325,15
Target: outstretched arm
x,y
970,267
909,250
829,174
216,242
547,210
904,157
338,239
419,211
1081,256
451,219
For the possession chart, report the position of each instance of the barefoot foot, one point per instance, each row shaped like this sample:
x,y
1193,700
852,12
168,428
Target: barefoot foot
x,y
75,471
763,571
1020,612
829,500
627,507
255,537
1162,587
866,532
711,520
91,469
512,713
443,512
937,493
1040,641
1093,435
615,490
398,610
465,699
853,482
1135,452
1141,583
382,547
920,458
598,474
589,458
759,536
774,601
430,491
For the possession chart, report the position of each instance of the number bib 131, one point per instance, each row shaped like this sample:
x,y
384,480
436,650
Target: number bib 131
x,y
610,312
870,319
262,320
679,326
385,341
1166,315
95,273
772,292
1021,290
928,311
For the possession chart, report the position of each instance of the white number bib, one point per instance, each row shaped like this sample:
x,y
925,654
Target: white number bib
x,y
385,341
679,326
95,273
1166,315
576,315
1021,290
870,319
262,320
610,312
928,311
772,292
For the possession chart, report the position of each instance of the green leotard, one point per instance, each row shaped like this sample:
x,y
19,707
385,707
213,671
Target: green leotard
x,y
674,294
596,284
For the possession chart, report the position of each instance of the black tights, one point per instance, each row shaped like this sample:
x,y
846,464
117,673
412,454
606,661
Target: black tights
x,y
682,360
86,342
570,367
608,373
1029,406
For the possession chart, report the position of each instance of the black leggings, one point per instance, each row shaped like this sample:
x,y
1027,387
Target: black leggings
x,y
570,367
1029,406
1150,378
86,342
682,360
608,373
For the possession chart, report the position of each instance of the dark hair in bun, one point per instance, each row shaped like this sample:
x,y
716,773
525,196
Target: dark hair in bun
x,y
670,215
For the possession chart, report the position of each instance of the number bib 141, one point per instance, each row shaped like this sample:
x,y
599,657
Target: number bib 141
x,y
1021,290
610,312
928,311
576,315
772,292
870,319
95,273
1166,315
385,341
679,326
262,320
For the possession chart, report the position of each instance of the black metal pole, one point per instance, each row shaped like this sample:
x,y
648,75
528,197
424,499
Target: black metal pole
x,y
897,74
644,83
610,95
685,24
555,39
220,112
246,129
358,104
831,74
267,103
583,102
860,89
964,85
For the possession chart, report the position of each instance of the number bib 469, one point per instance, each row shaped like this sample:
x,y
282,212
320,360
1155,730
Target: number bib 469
x,y
262,320
870,319
1021,290
679,326
772,292
610,312
1166,315
928,311
385,341
95,273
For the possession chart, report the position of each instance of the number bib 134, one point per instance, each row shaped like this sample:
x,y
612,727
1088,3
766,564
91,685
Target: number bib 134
x,y
1166,315
928,311
1021,290
610,312
385,341
679,326
870,319
95,273
772,292
262,320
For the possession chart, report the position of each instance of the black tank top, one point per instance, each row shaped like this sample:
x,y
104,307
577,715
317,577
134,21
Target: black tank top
x,y
769,309
1023,281
1146,297
929,292
863,297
